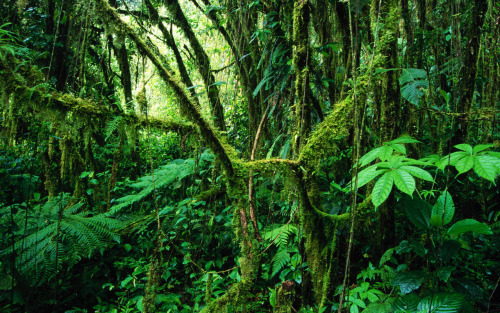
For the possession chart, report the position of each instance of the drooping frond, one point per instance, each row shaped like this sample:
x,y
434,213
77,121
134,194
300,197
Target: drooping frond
x,y
280,234
166,175
51,236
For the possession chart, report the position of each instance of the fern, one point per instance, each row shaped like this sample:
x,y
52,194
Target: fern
x,y
50,239
164,176
280,234
113,125
280,260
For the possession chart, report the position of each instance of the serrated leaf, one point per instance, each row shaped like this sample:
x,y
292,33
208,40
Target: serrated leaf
x,y
444,208
418,212
469,225
485,168
441,303
367,175
385,152
418,172
369,157
465,164
465,147
480,148
382,189
404,181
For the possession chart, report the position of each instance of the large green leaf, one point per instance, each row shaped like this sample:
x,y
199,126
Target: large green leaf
x,y
385,152
407,303
468,225
404,181
480,148
444,209
441,303
451,159
386,256
382,189
408,281
403,139
399,148
378,308
465,164
417,172
412,81
370,156
465,147
418,212
485,167
367,175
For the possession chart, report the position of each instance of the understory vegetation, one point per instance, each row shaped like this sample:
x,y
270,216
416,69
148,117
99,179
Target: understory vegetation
x,y
249,156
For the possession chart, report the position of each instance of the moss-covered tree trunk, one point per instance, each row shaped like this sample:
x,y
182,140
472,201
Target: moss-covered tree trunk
x,y
387,13
202,61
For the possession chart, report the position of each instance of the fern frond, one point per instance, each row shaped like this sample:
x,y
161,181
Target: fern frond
x,y
280,234
280,260
164,176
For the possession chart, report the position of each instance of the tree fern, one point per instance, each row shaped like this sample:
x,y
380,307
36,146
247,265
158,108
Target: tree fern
x,y
51,235
164,176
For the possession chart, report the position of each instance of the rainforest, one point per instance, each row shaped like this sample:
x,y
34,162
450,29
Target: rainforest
x,y
221,156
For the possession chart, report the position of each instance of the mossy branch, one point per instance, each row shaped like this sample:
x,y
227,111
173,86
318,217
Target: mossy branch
x,y
39,98
209,135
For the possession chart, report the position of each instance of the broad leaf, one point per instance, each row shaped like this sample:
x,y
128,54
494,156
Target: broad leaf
x,y
480,148
485,167
441,303
444,208
403,139
386,256
367,175
465,164
404,181
385,152
418,212
417,172
408,281
378,308
370,156
399,148
382,189
444,273
412,81
468,225
407,303
465,147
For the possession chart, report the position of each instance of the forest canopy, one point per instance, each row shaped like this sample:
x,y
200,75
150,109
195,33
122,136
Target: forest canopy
x,y
249,156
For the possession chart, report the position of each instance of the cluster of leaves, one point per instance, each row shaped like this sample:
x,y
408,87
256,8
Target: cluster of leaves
x,y
395,169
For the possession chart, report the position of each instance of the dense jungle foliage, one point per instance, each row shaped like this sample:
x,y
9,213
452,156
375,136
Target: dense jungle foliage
x,y
249,156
